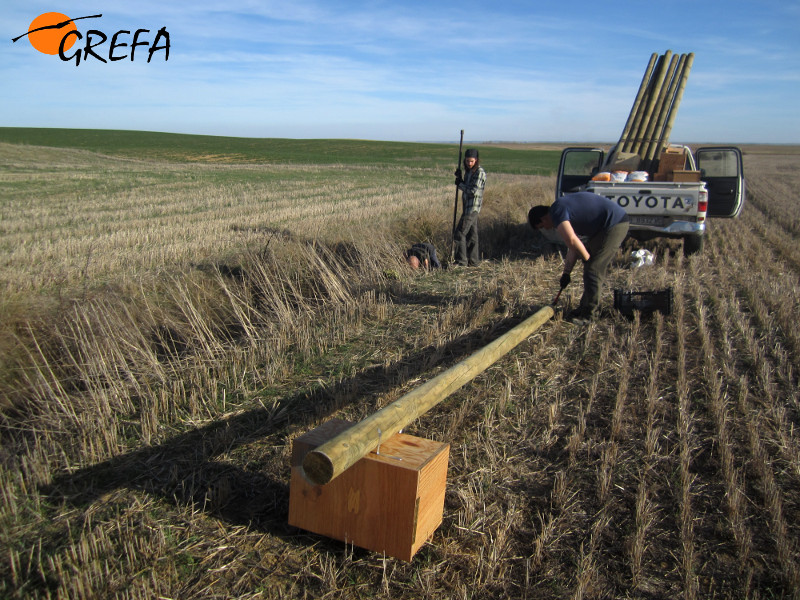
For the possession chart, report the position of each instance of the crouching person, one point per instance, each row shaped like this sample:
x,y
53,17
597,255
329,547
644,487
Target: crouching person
x,y
592,216
422,255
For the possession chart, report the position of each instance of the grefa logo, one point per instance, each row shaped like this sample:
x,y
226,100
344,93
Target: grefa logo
x,y
55,33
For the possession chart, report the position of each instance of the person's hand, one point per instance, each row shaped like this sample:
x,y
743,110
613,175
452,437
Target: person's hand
x,y
459,177
564,281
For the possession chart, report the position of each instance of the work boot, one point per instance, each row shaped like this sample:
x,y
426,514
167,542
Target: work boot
x,y
581,316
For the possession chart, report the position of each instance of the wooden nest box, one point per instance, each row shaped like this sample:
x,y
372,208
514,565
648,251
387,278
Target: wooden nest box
x,y
372,486
390,501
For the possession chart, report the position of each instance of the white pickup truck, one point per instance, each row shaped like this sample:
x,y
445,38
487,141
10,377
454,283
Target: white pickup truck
x,y
674,209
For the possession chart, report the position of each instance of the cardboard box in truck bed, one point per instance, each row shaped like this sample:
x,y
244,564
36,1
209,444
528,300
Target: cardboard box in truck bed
x,y
671,159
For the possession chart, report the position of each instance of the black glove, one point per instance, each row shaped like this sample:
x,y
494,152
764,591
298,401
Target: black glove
x,y
564,281
459,177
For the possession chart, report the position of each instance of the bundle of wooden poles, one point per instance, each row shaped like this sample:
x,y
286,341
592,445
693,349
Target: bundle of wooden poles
x,y
649,124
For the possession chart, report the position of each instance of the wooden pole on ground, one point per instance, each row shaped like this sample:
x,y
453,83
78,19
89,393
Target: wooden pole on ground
x,y
335,456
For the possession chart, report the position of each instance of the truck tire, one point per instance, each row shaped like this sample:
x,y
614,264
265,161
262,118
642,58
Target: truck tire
x,y
692,244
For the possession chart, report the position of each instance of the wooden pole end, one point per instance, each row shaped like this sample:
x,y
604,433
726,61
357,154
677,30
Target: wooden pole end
x,y
318,468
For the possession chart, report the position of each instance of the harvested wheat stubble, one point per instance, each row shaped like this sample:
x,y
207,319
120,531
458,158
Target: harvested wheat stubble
x,y
650,458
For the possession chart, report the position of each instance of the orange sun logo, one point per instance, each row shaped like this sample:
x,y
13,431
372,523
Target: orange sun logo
x,y
48,29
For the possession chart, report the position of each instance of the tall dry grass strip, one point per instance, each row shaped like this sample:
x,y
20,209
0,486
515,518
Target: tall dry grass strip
x,y
645,508
773,500
684,427
769,335
733,478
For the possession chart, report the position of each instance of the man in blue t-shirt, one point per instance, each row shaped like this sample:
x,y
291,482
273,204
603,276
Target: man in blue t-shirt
x,y
591,216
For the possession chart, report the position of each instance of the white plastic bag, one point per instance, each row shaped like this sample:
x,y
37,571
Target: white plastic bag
x,y
618,176
637,176
641,258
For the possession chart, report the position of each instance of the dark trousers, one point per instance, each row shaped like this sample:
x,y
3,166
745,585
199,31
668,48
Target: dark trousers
x,y
602,247
466,240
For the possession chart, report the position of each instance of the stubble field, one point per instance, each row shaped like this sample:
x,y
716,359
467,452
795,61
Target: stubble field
x,y
163,348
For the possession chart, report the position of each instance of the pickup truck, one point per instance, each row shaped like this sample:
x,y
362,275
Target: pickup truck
x,y
671,209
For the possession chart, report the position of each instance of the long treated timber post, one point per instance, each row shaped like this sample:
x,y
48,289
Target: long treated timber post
x,y
637,103
655,138
640,119
655,141
338,454
662,101
684,77
658,83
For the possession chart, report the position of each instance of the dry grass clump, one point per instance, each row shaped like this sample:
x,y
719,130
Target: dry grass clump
x,y
147,454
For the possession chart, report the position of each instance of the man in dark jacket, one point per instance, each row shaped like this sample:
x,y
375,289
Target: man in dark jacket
x,y
605,226
422,255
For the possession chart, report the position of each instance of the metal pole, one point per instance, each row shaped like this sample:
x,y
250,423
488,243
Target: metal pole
x,y
334,457
455,204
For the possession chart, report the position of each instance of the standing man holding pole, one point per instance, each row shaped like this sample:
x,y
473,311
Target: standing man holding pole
x,y
471,184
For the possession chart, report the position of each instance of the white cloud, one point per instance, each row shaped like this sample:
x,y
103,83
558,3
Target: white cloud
x,y
416,70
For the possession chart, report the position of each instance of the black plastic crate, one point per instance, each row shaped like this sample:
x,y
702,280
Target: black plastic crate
x,y
627,301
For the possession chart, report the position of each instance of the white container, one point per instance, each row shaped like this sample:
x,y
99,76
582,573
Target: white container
x,y
618,176
637,176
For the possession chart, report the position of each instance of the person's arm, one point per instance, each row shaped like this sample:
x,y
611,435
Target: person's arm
x,y
575,247
434,258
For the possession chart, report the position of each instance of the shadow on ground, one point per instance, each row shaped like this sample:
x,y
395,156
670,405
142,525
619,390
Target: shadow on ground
x,y
188,469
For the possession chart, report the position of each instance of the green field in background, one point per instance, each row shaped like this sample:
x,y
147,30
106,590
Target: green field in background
x,y
205,148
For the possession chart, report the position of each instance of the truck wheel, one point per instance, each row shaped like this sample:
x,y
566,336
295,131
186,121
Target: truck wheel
x,y
692,244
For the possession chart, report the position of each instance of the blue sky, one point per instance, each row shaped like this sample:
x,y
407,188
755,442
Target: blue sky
x,y
412,70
